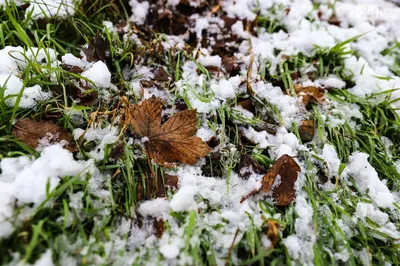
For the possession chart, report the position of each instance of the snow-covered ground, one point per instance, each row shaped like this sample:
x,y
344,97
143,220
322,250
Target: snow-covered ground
x,y
348,47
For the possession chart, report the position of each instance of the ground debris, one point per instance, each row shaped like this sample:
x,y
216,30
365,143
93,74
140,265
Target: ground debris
x,y
280,180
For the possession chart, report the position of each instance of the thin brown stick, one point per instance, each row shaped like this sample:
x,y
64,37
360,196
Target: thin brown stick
x,y
231,247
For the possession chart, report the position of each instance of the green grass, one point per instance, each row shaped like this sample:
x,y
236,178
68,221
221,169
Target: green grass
x,y
57,226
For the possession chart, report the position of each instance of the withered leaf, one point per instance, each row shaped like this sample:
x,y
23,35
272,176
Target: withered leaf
x,y
159,227
247,105
161,75
98,49
247,165
31,132
310,94
171,142
283,192
306,130
272,231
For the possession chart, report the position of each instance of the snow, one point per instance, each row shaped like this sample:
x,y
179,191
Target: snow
x,y
169,251
184,199
15,87
99,74
367,180
139,11
223,90
26,181
14,61
51,8
102,137
331,82
214,200
287,105
331,157
210,60
157,208
72,60
300,245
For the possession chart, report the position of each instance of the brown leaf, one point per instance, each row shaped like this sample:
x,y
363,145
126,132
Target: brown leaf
x,y
213,142
247,105
159,227
171,181
273,231
247,165
161,75
306,130
230,64
173,141
283,192
98,49
310,94
334,21
31,132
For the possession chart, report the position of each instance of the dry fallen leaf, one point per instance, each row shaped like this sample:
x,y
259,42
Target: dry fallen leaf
x,y
98,49
306,130
310,94
171,142
247,165
31,132
272,231
283,190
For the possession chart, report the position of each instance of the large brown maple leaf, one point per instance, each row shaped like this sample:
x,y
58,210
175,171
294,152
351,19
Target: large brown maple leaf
x,y
173,141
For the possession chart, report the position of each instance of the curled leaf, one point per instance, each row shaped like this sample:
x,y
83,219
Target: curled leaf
x,y
280,180
310,94
98,49
272,231
306,130
171,142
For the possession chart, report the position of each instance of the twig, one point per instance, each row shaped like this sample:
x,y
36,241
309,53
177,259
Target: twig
x,y
231,247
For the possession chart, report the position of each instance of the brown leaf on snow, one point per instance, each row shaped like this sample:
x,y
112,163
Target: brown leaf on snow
x,y
310,94
283,191
171,142
31,132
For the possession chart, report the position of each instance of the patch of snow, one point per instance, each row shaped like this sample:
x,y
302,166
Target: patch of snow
x,y
99,74
26,181
214,60
157,208
367,180
29,95
51,8
139,11
102,136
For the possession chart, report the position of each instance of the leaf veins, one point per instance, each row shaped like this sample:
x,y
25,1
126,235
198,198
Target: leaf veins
x,y
173,141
